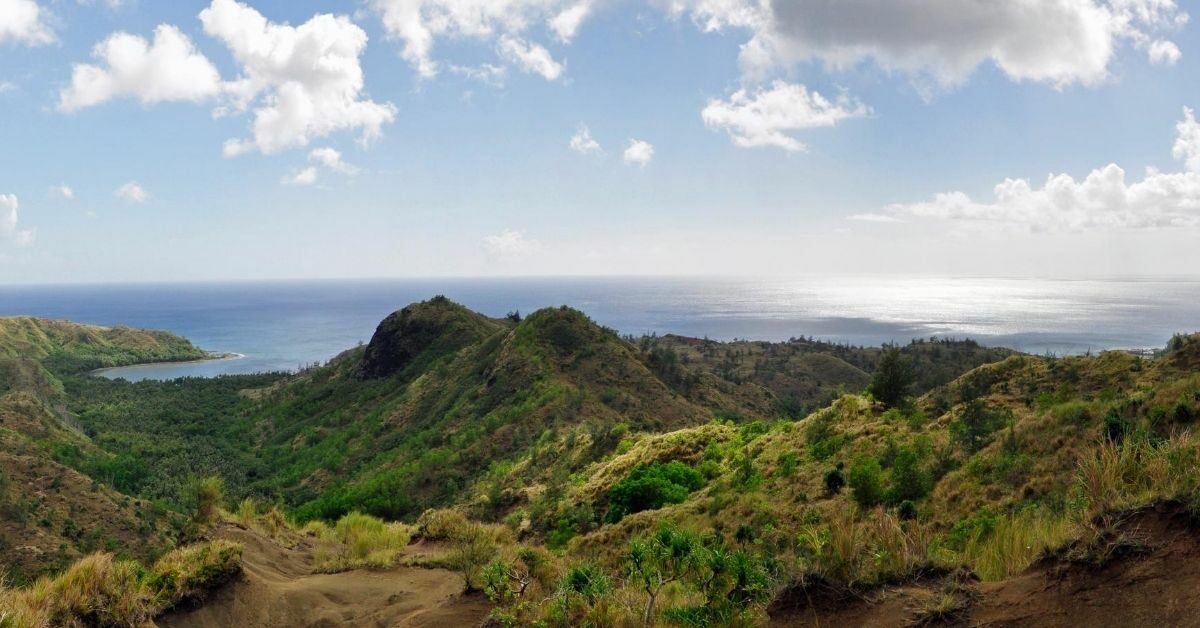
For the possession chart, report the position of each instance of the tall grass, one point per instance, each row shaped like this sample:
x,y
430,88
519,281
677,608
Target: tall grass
x,y
1016,542
99,590
356,541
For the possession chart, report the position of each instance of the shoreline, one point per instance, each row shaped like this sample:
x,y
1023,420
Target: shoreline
x,y
213,356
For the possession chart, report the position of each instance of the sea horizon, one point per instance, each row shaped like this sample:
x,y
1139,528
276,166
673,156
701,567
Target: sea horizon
x,y
283,325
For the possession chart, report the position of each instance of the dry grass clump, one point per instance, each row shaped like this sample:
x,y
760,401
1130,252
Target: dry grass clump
x,y
100,591
188,572
440,524
273,523
357,541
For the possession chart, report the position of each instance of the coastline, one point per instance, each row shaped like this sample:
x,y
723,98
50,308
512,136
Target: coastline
x,y
213,356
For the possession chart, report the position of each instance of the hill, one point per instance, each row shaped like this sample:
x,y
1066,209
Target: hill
x,y
51,511
548,452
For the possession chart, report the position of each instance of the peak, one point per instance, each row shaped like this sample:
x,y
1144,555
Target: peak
x,y
427,329
564,329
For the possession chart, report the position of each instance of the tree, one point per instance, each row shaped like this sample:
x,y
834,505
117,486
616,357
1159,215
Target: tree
x,y
973,429
667,556
866,482
894,378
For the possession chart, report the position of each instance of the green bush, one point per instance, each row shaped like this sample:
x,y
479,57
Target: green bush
x,y
910,479
650,487
866,482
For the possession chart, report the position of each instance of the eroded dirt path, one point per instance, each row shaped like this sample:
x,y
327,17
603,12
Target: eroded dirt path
x,y
278,589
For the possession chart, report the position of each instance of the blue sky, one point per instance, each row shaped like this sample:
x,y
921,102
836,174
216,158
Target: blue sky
x,y
788,138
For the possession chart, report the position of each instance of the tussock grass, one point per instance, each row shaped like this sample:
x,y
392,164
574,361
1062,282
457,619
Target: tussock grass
x,y
99,590
357,541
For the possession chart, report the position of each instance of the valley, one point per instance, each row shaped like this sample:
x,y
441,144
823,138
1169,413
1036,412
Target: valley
x,y
544,469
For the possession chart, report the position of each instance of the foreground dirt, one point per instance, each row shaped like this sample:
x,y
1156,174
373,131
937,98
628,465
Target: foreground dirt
x,y
278,589
1155,583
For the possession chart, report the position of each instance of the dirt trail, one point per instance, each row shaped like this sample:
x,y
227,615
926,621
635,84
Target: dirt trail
x,y
278,589
1158,585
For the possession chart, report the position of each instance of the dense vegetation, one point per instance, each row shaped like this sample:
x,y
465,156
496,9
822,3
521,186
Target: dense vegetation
x,y
588,474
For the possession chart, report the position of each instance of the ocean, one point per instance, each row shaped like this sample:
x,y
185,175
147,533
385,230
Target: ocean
x,y
288,324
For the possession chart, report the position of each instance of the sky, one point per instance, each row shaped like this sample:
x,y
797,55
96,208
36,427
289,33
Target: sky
x,y
156,140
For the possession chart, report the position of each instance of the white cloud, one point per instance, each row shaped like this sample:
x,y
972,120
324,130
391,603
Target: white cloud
x,y
419,23
302,177
331,159
1060,42
872,217
639,153
1103,200
765,117
63,192
132,192
566,24
7,86
1187,141
9,221
305,82
1163,52
24,22
169,69
583,143
529,57
510,244
111,4
486,73
301,82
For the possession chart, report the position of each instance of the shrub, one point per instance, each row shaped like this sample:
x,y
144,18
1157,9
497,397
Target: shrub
x,y
866,482
471,548
787,463
835,480
210,493
440,525
910,480
650,487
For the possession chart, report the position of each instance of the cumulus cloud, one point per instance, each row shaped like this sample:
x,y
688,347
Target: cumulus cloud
x,y
300,83
304,82
332,160
24,22
1104,199
530,58
1059,42
132,192
9,220
168,69
63,192
303,177
767,116
419,23
638,153
583,143
1164,53
510,244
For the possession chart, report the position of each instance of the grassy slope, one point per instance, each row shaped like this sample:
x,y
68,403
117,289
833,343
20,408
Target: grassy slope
x,y
50,513
71,347
1054,416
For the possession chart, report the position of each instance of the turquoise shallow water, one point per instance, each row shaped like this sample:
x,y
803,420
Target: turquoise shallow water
x,y
283,325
